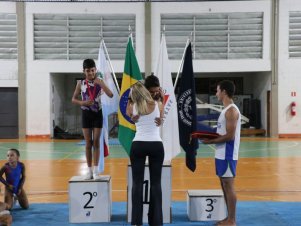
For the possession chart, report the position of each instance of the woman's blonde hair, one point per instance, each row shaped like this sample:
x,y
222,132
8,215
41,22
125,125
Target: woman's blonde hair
x,y
141,97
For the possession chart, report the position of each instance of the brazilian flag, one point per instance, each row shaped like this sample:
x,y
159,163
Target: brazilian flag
x,y
131,75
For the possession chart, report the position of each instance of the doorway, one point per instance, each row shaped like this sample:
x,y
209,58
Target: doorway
x,y
9,113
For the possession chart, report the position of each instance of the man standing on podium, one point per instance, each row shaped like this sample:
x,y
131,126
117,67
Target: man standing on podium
x,y
227,147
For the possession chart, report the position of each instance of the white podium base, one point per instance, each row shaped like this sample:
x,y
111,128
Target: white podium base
x,y
206,205
166,193
90,200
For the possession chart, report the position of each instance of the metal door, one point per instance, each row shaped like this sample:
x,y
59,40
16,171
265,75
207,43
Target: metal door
x,y
8,113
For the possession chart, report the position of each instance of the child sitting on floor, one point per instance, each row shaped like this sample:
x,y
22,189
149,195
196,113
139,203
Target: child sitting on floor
x,y
14,171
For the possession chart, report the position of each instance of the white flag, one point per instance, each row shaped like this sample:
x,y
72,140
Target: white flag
x,y
170,128
109,105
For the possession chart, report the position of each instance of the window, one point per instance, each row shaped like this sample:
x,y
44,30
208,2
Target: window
x,y
294,34
8,36
72,37
215,35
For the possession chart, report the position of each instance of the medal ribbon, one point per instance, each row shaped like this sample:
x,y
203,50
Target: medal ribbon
x,y
92,95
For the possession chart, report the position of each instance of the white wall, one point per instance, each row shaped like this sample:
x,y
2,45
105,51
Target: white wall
x,y
9,68
263,64
38,71
289,73
38,90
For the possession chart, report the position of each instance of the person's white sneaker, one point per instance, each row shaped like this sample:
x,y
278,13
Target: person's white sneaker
x,y
88,176
4,212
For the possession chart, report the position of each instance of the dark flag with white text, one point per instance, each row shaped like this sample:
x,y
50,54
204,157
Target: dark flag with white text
x,y
187,114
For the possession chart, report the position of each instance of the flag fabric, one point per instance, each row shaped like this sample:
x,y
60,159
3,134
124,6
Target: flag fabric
x,y
131,75
109,105
170,129
187,115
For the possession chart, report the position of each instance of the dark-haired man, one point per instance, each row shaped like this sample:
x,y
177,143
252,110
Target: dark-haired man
x,y
227,147
153,86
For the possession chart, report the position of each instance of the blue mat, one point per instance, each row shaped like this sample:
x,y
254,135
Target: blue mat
x,y
248,213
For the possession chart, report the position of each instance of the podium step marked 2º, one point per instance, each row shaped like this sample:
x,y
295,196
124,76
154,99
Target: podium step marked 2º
x,y
90,200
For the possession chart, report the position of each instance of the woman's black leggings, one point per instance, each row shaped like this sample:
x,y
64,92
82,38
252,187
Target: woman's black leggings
x,y
155,152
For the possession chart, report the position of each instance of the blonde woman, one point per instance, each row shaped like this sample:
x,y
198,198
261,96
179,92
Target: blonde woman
x,y
147,142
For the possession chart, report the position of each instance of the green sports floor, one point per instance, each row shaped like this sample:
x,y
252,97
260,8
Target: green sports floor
x,y
57,149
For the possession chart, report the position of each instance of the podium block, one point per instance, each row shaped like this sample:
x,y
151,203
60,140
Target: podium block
x,y
206,205
166,193
90,200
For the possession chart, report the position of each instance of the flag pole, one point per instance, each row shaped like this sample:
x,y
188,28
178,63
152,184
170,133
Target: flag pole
x,y
131,35
169,129
111,66
163,32
177,77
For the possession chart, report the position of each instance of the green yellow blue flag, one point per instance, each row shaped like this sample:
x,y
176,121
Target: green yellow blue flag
x,y
131,75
